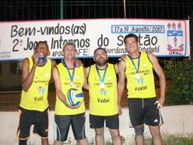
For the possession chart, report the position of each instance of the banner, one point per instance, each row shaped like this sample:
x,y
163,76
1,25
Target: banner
x,y
164,38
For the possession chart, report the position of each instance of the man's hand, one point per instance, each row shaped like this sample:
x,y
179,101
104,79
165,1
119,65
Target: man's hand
x,y
123,57
77,62
35,57
120,109
73,107
159,103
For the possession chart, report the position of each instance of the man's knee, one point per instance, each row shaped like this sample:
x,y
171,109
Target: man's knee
x,y
115,136
139,130
99,131
44,140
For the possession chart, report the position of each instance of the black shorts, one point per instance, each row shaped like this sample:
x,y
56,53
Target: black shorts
x,y
112,122
27,118
144,111
63,123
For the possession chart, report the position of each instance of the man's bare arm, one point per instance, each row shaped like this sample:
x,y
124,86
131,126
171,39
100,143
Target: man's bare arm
x,y
161,75
121,83
86,84
27,75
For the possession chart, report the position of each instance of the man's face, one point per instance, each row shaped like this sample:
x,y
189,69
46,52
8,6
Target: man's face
x,y
69,52
131,45
100,57
42,48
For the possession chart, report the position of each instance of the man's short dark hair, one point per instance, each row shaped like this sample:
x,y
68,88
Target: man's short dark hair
x,y
45,42
100,48
131,35
69,43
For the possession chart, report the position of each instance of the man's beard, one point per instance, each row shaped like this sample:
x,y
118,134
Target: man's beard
x,y
101,63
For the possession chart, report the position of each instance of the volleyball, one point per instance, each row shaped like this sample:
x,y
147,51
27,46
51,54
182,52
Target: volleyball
x,y
74,97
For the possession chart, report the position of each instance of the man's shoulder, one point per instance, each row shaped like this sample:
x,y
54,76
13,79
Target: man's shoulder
x,y
111,65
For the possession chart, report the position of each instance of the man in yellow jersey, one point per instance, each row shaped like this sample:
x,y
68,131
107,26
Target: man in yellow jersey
x,y
67,76
143,104
103,97
33,108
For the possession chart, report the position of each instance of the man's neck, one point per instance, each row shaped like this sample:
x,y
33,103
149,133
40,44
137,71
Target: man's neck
x,y
69,63
101,67
135,54
40,64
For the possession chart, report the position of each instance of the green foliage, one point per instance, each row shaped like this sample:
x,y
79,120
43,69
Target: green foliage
x,y
179,74
173,140
123,140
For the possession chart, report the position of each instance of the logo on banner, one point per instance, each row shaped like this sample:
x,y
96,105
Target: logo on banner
x,y
175,38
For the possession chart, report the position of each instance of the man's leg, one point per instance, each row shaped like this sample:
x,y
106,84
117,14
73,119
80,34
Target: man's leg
x,y
41,125
25,120
62,125
136,115
45,141
99,136
78,128
57,142
139,138
156,135
83,141
115,136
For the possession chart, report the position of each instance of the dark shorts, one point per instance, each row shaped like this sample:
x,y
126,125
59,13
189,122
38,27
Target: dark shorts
x,y
144,111
112,122
63,123
27,118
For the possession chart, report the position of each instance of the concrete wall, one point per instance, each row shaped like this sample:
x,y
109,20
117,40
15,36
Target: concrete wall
x,y
177,120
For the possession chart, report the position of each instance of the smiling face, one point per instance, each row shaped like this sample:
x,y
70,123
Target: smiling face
x,y
131,45
100,57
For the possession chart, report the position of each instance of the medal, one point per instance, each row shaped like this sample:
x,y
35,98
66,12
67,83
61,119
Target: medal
x,y
102,78
102,85
71,83
136,67
138,76
71,76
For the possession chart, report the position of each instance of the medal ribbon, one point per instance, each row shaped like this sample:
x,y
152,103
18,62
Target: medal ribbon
x,y
138,64
103,77
73,71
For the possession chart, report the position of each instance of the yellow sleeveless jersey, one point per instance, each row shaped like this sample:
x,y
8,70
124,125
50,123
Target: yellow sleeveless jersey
x,y
141,84
60,107
36,98
103,99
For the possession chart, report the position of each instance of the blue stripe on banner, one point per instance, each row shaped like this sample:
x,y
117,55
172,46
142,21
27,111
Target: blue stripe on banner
x,y
174,33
